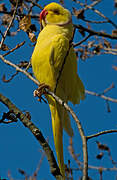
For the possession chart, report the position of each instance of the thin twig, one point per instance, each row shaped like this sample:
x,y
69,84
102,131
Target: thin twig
x,y
8,80
11,50
83,40
35,4
38,167
19,69
96,168
101,96
102,133
74,156
35,16
94,22
109,52
109,88
9,26
110,49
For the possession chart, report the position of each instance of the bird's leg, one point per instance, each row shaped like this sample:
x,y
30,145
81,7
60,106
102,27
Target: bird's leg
x,y
40,91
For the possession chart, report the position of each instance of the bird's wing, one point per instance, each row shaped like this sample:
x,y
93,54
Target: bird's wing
x,y
58,50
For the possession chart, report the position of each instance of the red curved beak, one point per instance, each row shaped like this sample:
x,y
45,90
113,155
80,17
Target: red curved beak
x,y
43,14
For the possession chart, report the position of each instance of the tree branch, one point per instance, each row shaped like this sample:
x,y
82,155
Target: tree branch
x,y
102,133
11,50
35,4
92,32
36,16
19,69
101,96
83,40
37,134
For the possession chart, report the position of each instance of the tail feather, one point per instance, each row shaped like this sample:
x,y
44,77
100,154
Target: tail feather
x,y
77,91
81,88
58,134
67,124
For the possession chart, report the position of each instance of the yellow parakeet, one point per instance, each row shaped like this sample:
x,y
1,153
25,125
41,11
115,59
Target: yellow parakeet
x,y
47,59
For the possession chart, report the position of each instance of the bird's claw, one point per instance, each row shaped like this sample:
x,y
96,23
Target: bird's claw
x,y
40,91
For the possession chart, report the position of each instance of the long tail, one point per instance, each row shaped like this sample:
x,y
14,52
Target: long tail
x,y
57,126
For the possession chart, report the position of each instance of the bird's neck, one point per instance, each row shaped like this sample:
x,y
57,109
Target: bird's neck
x,y
66,29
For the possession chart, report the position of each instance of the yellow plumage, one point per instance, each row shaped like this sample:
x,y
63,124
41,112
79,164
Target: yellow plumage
x,y
47,59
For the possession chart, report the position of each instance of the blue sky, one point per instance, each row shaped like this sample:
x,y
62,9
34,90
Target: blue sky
x,y
18,147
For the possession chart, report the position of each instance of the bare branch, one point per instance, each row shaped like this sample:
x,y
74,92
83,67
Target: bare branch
x,y
19,69
102,133
109,88
94,22
83,40
38,167
101,96
96,167
35,4
110,51
11,50
35,16
92,32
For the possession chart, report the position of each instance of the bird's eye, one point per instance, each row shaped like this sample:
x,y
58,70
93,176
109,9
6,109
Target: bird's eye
x,y
56,11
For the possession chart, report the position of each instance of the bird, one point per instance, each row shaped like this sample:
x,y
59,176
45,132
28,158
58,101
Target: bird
x,y
54,57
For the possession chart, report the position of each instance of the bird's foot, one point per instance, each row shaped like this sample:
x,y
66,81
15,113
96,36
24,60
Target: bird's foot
x,y
41,91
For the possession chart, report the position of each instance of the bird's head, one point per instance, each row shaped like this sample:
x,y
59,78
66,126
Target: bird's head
x,y
55,14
